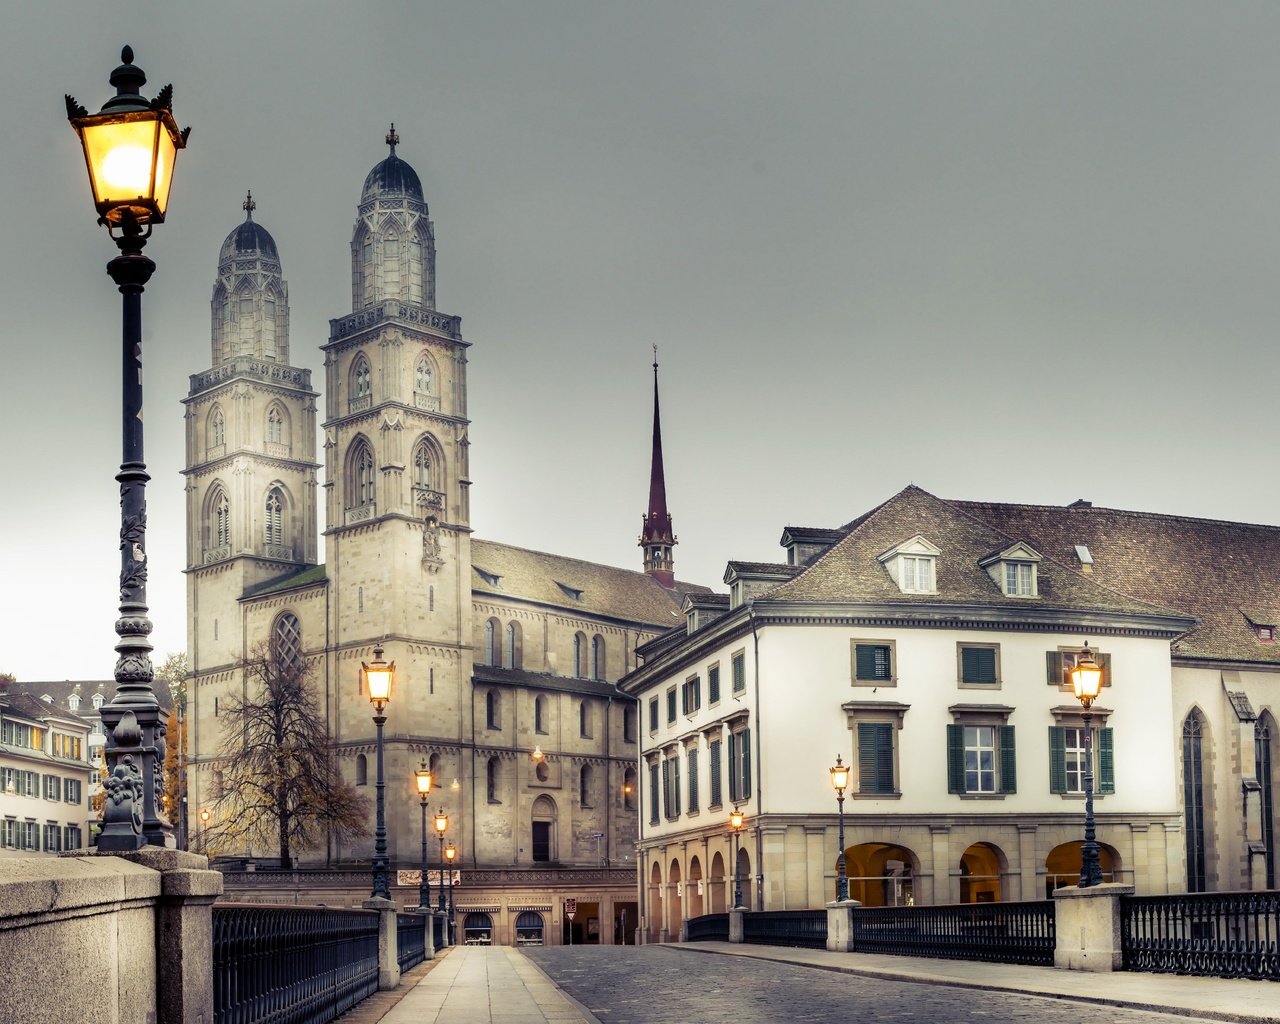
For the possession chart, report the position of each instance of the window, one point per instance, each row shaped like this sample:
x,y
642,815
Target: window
x,y
217,429
653,714
693,779
491,781
1193,799
52,838
980,758
73,702
979,664
671,705
597,657
274,520
691,695
422,377
629,790
917,575
362,770
1262,771
422,465
541,843
1067,760
492,710
628,724
713,684
653,793
97,700
1019,579
584,720
513,646
492,650
1059,664
738,666
713,758
873,662
287,641
579,655
876,758
52,787
221,520
71,838
275,425
361,482
584,786
539,719
361,384
740,765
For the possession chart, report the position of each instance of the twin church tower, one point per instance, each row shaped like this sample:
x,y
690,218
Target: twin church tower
x,y
499,650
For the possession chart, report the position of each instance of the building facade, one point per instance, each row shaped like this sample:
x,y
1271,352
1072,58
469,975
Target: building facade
x,y
927,644
44,775
506,658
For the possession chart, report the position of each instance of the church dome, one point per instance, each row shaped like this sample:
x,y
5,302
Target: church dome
x,y
392,176
249,238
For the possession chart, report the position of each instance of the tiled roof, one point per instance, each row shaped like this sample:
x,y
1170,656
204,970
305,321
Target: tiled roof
x,y
303,577
544,681
851,571
554,579
1217,571
764,568
31,706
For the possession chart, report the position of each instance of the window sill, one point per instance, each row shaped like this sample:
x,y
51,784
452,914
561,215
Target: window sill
x,y
892,681
1079,797
982,796
874,796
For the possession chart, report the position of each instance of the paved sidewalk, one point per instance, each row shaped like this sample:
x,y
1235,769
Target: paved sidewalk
x,y
485,985
1231,999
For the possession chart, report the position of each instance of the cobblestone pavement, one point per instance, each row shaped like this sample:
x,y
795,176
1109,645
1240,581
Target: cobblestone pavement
x,y
653,984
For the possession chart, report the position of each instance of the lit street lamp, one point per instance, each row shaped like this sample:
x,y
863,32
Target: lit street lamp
x,y
130,147
840,780
1086,680
736,822
205,815
450,854
378,676
423,777
442,825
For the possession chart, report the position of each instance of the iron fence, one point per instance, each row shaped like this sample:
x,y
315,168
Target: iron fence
x,y
1010,933
291,965
709,928
411,940
786,928
438,938
1229,935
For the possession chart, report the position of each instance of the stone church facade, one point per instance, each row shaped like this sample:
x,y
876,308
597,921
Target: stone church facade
x,y
506,658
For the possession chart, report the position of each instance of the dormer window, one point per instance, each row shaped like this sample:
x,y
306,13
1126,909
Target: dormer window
x,y
1015,570
1019,579
913,566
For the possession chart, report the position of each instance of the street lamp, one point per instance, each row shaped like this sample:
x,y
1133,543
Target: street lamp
x,y
205,815
442,825
1086,680
423,777
450,854
378,676
130,147
840,780
737,821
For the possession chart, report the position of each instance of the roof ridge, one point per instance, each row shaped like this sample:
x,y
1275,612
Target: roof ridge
x,y
562,558
1134,513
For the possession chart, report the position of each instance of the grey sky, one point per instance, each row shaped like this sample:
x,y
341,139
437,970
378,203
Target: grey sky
x,y
1012,251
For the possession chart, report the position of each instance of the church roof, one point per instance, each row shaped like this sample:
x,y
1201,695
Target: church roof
x,y
303,577
249,237
543,681
392,176
574,585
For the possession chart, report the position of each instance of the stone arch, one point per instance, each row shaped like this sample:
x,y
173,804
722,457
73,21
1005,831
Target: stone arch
x,y
655,903
696,890
215,431
1062,866
982,867
427,464
360,383
543,830
719,901
362,770
361,474
1197,795
674,910
216,518
278,424
743,877
221,314
881,874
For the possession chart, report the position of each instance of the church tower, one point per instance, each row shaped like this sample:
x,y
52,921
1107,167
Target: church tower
x,y
251,442
656,536
395,438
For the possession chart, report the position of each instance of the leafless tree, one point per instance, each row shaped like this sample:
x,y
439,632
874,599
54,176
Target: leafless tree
x,y
280,780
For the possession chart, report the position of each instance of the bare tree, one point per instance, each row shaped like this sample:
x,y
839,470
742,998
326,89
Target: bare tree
x,y
280,779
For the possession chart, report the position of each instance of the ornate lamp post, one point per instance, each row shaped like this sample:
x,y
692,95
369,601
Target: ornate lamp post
x,y
205,815
737,821
840,780
423,778
450,854
378,676
130,147
1086,680
442,826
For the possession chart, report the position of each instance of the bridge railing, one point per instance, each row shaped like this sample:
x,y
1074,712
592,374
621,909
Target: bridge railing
x,y
708,928
411,940
1011,933
1230,934
291,965
786,928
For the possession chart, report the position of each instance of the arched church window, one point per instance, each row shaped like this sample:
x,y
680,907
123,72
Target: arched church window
x,y
490,644
415,270
269,328
274,521
597,657
391,266
361,383
275,425
513,645
363,491
286,641
1193,799
422,465
217,429
422,379
579,655
221,520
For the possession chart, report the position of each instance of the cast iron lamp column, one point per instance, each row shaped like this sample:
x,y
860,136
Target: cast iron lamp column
x,y
378,677
205,815
130,148
450,853
442,825
840,779
736,822
423,777
1086,680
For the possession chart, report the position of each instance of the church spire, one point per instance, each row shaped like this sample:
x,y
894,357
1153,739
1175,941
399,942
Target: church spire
x,y
656,537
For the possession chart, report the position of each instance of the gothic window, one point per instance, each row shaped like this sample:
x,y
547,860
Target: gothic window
x,y
1193,799
584,786
391,266
361,475
1262,734
245,309
491,780
629,790
584,720
539,714
217,429
492,710
274,519
286,641
422,465
492,643
579,654
422,377
362,770
269,328
361,384
275,425
542,839
415,271
221,520
597,657
513,645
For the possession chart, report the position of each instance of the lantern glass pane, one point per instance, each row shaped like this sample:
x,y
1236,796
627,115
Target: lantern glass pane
x,y
379,679
166,156
121,156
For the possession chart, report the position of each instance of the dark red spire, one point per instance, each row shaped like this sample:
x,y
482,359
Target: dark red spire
x,y
656,536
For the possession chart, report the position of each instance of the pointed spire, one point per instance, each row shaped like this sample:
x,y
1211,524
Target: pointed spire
x,y
248,206
656,536
393,139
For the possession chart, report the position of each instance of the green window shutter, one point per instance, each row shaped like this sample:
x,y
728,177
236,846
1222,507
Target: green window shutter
x,y
875,757
1008,762
955,759
733,767
715,773
746,764
1053,667
1105,661
866,660
978,664
675,787
1106,762
1057,759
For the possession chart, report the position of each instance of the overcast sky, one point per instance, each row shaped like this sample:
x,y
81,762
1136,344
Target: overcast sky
x,y
1006,251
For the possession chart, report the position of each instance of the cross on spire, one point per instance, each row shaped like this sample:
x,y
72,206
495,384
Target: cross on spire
x,y
393,139
248,206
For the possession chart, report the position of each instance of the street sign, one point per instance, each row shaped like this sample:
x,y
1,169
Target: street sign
x,y
570,908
